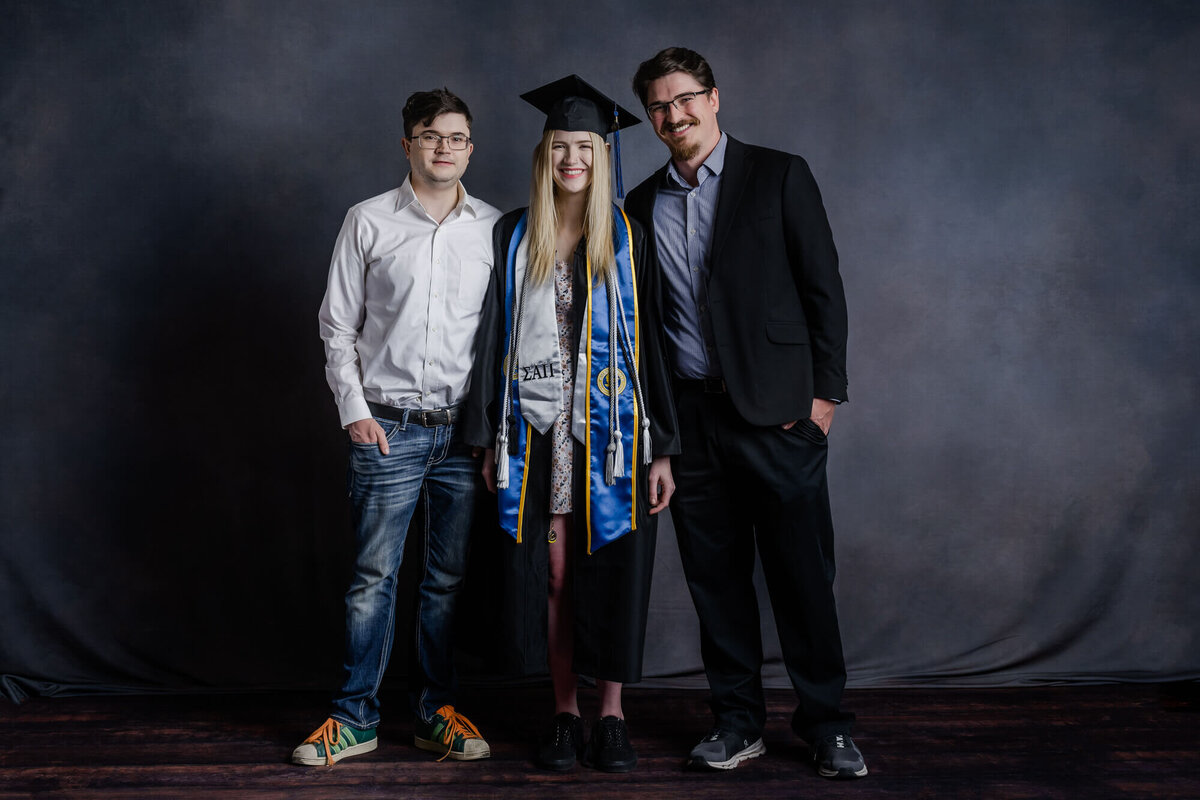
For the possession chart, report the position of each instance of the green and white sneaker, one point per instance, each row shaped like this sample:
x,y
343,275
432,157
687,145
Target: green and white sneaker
x,y
452,735
332,742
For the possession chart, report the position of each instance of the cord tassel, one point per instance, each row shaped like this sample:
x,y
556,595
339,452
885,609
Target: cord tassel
x,y
502,461
639,398
614,466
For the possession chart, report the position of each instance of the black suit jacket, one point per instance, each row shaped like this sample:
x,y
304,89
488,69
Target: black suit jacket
x,y
775,294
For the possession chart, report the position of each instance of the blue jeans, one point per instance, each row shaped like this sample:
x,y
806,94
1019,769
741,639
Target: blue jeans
x,y
431,466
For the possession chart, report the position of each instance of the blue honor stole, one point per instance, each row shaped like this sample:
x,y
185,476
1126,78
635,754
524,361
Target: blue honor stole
x,y
609,506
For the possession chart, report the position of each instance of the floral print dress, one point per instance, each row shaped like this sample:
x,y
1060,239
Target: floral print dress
x,y
562,443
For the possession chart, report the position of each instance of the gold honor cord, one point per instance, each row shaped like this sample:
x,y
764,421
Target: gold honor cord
x,y
587,407
524,481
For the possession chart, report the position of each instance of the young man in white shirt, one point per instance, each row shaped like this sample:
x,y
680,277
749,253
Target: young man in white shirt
x,y
406,287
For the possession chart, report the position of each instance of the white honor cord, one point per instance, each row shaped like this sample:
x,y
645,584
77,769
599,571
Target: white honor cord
x,y
631,359
514,343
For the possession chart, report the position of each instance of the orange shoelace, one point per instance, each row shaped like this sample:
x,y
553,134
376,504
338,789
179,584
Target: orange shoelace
x,y
328,735
456,725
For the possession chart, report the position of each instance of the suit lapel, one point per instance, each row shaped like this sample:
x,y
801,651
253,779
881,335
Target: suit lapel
x,y
733,182
645,210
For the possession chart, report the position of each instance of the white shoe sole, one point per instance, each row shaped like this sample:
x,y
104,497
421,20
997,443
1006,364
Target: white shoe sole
x,y
753,751
319,761
440,749
837,773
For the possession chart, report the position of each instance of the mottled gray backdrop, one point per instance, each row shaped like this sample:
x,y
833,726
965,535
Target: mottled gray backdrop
x,y
1014,189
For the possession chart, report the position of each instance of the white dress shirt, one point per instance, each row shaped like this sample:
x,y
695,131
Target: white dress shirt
x,y
403,302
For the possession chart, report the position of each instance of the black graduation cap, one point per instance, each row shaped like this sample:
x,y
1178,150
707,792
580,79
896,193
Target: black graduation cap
x,y
573,104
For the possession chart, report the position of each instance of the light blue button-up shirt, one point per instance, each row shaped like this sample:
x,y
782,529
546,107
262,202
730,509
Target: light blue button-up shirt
x,y
683,231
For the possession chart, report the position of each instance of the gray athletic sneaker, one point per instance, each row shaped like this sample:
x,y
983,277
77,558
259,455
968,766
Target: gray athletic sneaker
x,y
835,756
723,749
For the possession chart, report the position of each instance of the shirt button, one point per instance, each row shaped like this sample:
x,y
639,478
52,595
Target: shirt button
x,y
437,261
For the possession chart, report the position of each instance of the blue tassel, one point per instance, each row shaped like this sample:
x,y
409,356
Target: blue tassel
x,y
617,148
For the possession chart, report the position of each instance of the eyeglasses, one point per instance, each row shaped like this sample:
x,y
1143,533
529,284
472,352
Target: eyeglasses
x,y
429,140
679,101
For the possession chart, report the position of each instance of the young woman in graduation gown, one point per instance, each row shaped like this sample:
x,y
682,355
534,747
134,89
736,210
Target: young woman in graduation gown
x,y
573,301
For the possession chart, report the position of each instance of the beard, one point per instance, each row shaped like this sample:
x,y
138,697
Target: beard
x,y
680,151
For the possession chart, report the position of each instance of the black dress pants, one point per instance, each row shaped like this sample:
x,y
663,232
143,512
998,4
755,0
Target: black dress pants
x,y
737,486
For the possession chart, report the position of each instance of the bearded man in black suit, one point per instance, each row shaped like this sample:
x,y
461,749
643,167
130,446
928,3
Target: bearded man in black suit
x,y
756,324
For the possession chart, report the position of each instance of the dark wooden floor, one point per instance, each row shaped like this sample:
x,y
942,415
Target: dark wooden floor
x,y
1062,742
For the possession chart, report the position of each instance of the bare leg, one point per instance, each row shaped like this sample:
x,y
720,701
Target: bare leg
x,y
610,699
561,643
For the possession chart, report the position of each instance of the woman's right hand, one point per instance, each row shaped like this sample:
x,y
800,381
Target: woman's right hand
x,y
488,469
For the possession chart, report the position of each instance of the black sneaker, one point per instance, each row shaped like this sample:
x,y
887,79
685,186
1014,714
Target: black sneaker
x,y
835,756
723,749
609,749
562,744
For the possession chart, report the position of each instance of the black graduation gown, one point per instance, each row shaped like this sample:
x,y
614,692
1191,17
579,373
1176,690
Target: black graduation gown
x,y
612,585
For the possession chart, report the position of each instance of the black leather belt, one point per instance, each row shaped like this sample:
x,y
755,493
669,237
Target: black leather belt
x,y
705,385
425,417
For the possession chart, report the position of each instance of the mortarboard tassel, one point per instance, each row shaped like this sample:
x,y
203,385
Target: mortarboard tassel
x,y
617,148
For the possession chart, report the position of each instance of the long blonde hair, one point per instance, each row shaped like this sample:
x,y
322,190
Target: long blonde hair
x,y
543,213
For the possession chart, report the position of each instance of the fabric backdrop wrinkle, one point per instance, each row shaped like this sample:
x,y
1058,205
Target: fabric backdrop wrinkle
x,y
1013,190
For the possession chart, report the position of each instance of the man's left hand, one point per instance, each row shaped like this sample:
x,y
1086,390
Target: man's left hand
x,y
822,414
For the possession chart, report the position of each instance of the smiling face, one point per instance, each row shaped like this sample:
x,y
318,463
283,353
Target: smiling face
x,y
440,167
690,132
571,161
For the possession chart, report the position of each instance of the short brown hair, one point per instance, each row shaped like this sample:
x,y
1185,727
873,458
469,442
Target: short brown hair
x,y
422,108
672,59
